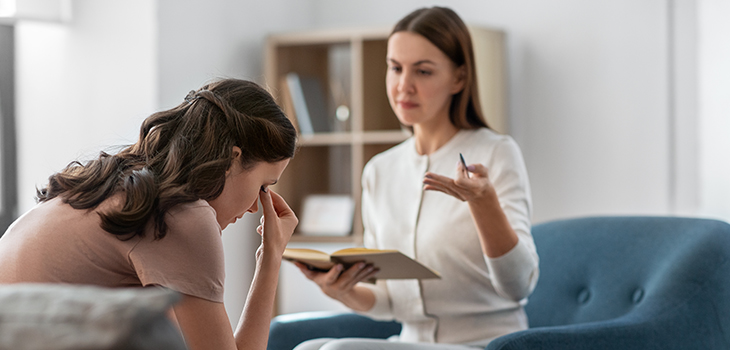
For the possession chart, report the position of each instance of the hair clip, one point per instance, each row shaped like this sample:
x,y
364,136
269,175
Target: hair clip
x,y
191,96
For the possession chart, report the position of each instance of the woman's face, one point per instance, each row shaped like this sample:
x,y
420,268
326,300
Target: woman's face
x,y
241,190
421,79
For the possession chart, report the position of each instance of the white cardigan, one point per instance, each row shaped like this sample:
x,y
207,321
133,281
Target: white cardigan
x,y
478,298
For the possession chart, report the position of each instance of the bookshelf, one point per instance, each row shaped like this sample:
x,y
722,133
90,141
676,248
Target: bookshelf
x,y
351,65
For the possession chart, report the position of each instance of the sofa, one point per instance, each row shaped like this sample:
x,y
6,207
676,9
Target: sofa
x,y
605,283
37,316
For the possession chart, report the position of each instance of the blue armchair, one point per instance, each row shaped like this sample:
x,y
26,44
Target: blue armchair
x,y
605,283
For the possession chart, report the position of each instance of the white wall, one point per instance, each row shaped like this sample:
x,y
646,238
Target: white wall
x,y
219,38
82,85
714,107
685,197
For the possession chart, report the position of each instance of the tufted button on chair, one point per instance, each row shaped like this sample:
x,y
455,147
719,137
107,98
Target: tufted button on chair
x,y
605,283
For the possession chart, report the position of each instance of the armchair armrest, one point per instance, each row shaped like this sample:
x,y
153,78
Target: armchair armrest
x,y
287,331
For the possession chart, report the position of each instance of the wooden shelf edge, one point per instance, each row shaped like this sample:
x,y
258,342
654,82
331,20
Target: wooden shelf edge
x,y
299,238
325,139
394,136
346,138
329,36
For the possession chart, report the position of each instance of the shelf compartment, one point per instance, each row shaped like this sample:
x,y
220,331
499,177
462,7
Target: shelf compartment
x,y
324,139
376,114
322,169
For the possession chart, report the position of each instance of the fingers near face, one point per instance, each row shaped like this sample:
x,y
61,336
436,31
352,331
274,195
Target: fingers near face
x,y
243,187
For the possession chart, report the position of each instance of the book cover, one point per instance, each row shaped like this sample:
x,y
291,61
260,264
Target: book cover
x,y
308,100
392,263
287,104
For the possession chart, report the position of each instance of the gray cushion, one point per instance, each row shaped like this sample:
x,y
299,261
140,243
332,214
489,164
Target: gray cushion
x,y
57,316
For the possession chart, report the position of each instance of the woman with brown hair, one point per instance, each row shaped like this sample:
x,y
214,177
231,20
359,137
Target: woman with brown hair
x,y
474,228
152,214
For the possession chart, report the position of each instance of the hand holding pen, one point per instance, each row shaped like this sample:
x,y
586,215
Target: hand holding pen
x,y
471,182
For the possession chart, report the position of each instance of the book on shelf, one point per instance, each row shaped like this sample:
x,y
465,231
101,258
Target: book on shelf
x,y
392,263
308,102
327,215
286,103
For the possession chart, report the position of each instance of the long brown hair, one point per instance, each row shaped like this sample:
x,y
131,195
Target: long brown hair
x,y
443,28
181,156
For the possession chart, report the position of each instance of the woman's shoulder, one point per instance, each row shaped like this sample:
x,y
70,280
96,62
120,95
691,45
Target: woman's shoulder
x,y
388,160
492,141
492,148
193,216
392,155
189,259
199,206
489,136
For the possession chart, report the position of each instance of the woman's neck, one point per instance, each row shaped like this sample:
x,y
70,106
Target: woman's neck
x,y
430,137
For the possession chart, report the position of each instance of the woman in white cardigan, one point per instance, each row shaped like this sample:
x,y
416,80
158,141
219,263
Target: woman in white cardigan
x,y
469,222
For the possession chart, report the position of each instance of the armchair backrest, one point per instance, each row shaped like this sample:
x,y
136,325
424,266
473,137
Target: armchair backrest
x,y
602,268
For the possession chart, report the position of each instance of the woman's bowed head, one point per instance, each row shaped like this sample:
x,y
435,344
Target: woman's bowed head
x,y
223,144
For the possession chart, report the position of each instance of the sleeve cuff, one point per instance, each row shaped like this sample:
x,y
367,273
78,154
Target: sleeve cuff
x,y
515,273
381,308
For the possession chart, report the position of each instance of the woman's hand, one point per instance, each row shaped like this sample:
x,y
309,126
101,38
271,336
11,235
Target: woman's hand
x,y
495,232
277,223
277,226
339,284
464,187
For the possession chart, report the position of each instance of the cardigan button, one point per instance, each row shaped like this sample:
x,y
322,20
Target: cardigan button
x,y
583,296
